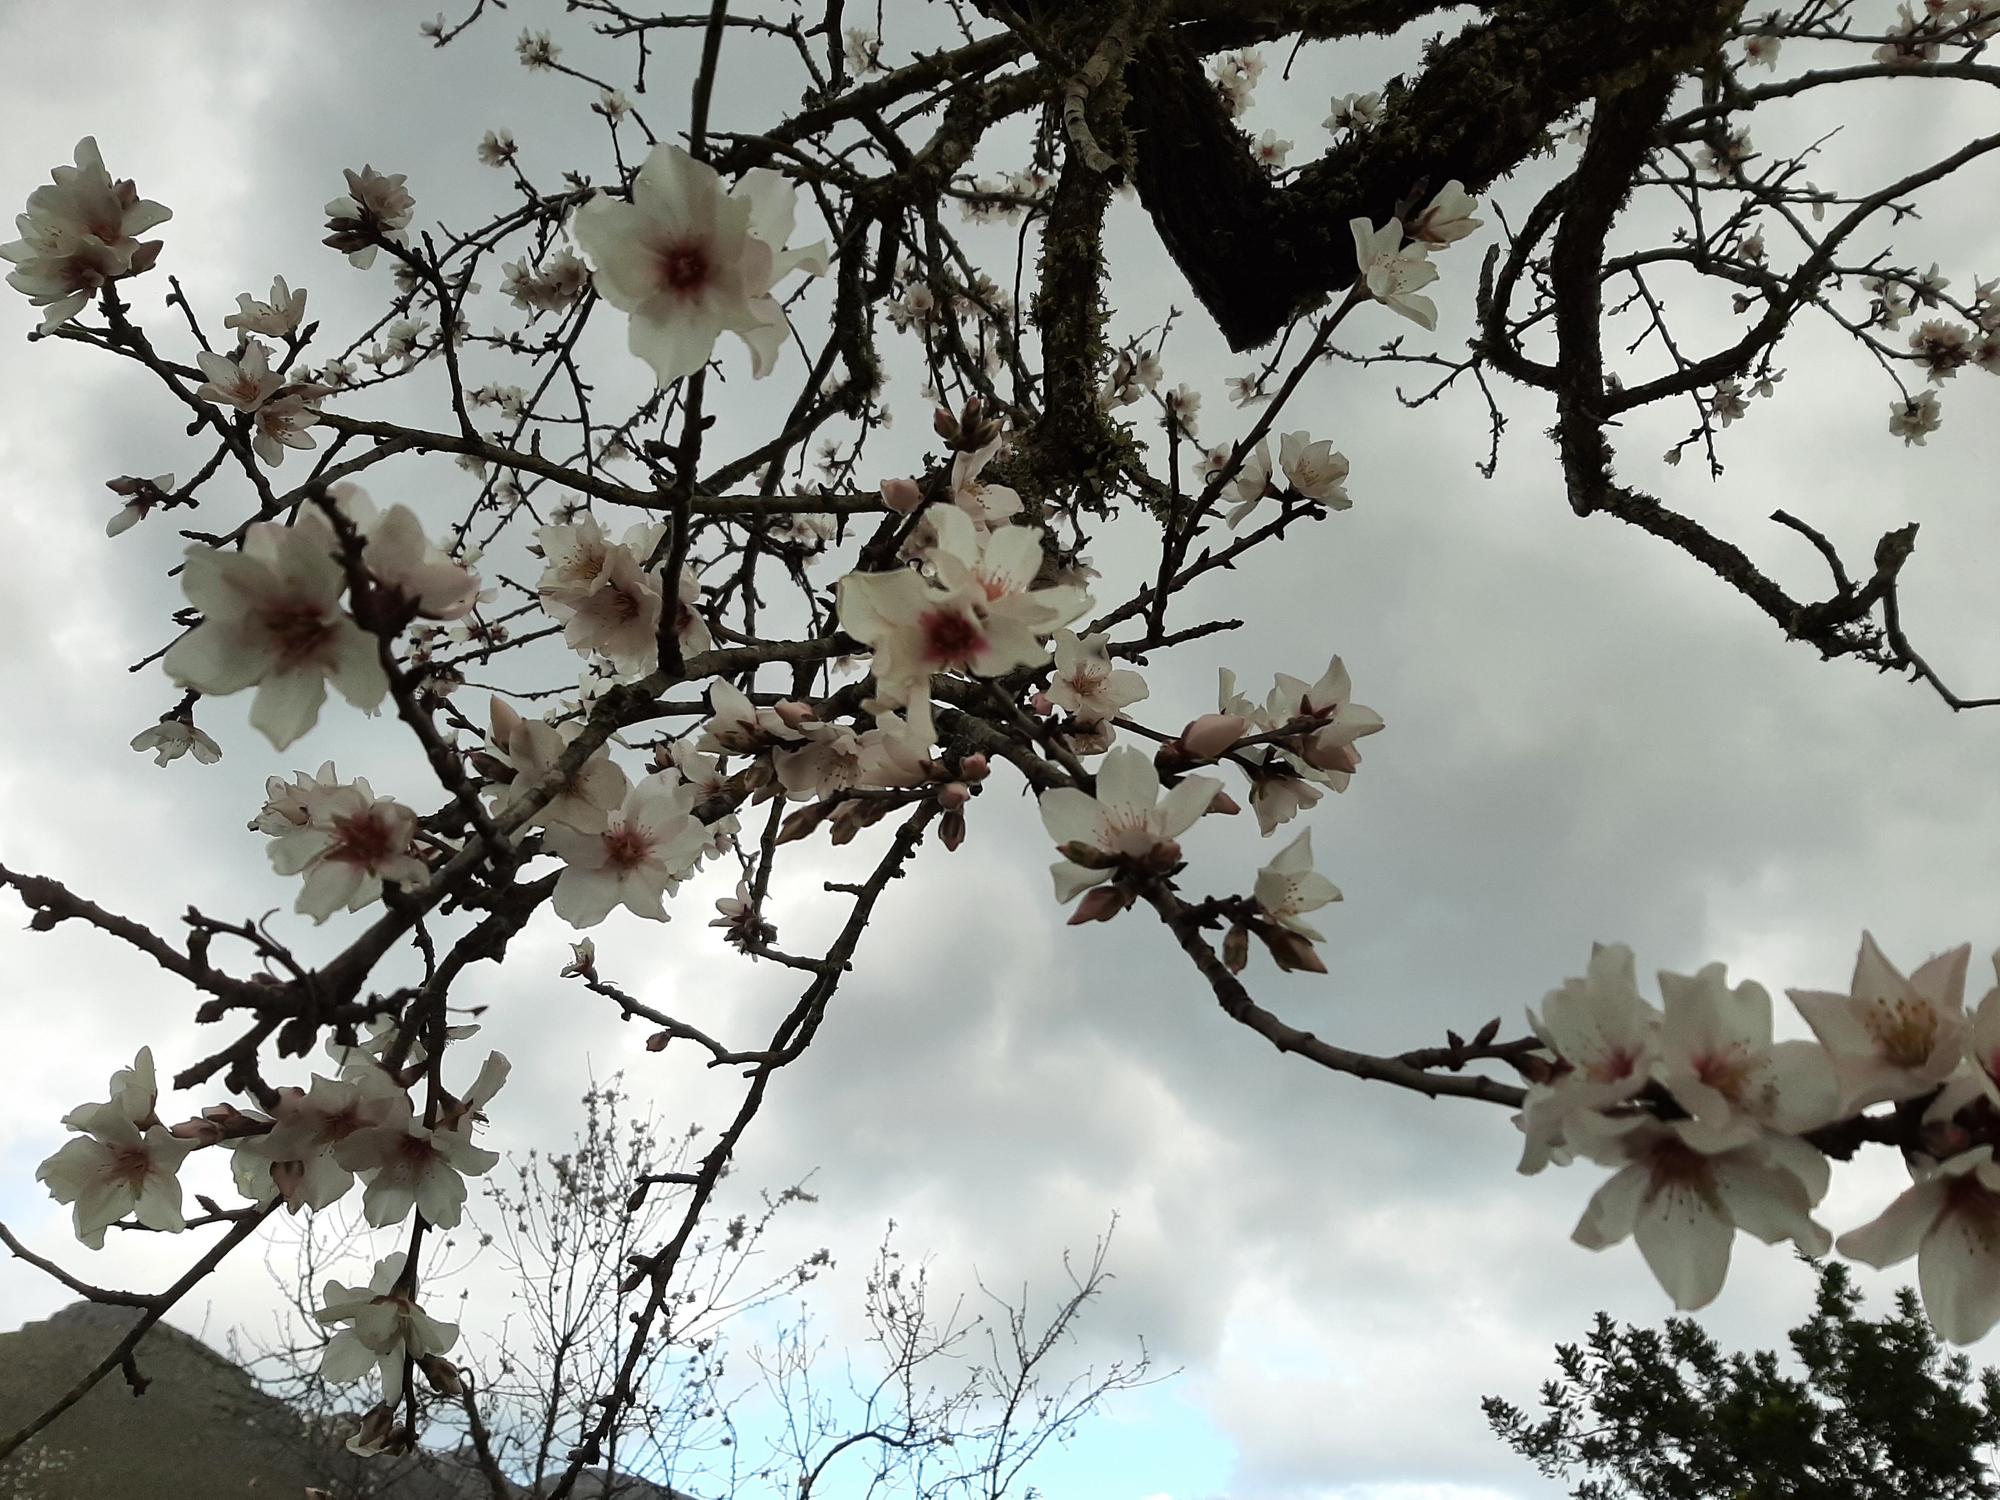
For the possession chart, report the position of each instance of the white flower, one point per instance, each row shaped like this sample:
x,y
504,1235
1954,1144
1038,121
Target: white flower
x,y
740,726
1183,403
1913,419
1332,721
1606,1037
1270,150
1355,111
1243,390
407,1164
1085,681
1392,271
646,847
172,738
532,748
349,844
1950,1220
403,561
1289,886
1683,1190
141,495
688,260
79,233
536,50
863,50
980,615
375,208
295,1160
1251,484
388,1329
122,1161
271,617
1314,469
1127,822
278,318
1719,1062
1447,217
246,383
496,148
1890,1037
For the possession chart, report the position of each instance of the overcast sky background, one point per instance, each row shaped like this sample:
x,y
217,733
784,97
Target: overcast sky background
x,y
1588,739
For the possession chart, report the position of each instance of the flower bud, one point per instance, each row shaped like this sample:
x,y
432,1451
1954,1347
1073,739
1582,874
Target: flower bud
x,y
974,767
901,495
945,425
793,712
1224,804
1212,735
442,1375
953,795
1100,904
951,829
1236,948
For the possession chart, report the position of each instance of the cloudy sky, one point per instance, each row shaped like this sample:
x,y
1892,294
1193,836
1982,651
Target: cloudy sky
x,y
1588,739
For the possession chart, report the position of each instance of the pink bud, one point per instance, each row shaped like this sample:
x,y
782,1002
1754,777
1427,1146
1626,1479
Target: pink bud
x,y
954,795
1041,704
1225,804
901,495
974,767
793,712
1212,735
1100,905
951,829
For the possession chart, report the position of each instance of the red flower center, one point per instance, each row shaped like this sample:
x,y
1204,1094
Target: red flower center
x,y
626,848
684,267
950,637
298,629
363,839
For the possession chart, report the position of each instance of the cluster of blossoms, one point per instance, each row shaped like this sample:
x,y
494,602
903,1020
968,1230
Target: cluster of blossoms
x,y
80,234
358,1125
1713,1126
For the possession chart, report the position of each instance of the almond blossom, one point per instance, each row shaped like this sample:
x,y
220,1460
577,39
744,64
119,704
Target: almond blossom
x,y
1127,825
141,496
387,1329
686,260
375,210
1251,484
1314,470
350,843
645,849
278,318
530,749
174,737
1950,1220
271,618
246,382
1289,886
1720,1063
407,1164
1085,681
1331,719
1605,1038
1683,1189
1890,1037
1392,271
1446,218
403,561
296,1159
78,234
122,1161
979,613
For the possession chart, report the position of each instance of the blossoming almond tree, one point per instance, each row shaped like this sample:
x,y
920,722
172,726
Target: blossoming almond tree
x,y
694,653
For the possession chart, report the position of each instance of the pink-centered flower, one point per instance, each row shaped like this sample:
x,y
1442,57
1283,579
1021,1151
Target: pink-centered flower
x,y
1891,1037
386,1330
80,232
688,261
271,618
648,845
350,844
1392,271
1128,822
1950,1220
1682,1190
123,1160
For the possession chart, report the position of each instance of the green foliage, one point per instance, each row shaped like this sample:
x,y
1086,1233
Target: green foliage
x,y
1878,1410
